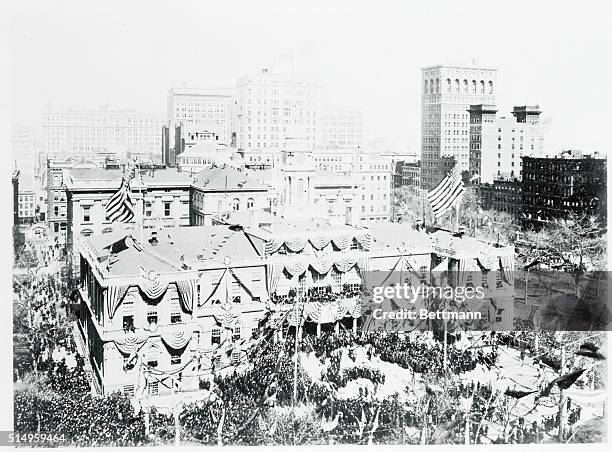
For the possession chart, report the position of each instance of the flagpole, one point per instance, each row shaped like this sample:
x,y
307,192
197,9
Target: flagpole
x,y
143,205
457,216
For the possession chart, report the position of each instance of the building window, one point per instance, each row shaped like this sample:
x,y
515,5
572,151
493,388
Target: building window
x,y
175,317
86,214
235,358
128,322
153,388
128,391
237,333
215,336
148,211
423,273
250,203
236,204
175,357
167,208
337,278
152,317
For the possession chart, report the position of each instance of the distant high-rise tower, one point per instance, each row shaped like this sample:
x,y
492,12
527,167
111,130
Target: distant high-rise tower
x,y
268,104
446,95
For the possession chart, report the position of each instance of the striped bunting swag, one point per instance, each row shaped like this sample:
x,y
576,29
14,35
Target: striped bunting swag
x,y
447,193
120,207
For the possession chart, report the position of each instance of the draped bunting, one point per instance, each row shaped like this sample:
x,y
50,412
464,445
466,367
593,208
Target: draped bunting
x,y
297,265
326,312
215,287
364,238
130,343
487,261
114,296
274,273
228,318
505,264
177,338
342,240
187,293
151,285
344,264
471,265
243,285
313,311
322,265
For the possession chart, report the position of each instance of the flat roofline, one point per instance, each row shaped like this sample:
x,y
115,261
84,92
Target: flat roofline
x,y
454,66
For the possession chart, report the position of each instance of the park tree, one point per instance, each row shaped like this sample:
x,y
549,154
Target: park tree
x,y
574,253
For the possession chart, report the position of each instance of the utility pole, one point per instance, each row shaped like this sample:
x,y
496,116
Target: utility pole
x,y
295,351
177,425
562,399
445,339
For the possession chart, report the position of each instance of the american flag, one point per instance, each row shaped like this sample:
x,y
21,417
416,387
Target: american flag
x,y
447,193
120,207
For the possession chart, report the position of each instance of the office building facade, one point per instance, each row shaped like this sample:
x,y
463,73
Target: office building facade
x,y
446,95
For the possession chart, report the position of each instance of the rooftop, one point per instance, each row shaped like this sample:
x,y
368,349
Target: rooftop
x,y
178,248
225,178
205,148
105,178
393,236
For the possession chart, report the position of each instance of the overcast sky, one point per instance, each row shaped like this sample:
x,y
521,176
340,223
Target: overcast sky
x,y
80,55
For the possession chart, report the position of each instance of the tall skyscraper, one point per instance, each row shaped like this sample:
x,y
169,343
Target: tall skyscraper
x,y
268,105
446,95
202,110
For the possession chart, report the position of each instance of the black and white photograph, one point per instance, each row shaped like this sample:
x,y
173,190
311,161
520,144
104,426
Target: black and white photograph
x,y
306,223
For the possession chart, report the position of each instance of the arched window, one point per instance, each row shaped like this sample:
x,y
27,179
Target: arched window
x,y
86,232
437,86
465,86
448,85
490,87
473,86
431,86
250,203
426,86
107,230
457,85
482,87
236,204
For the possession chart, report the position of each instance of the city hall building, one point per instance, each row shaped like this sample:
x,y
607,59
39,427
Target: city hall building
x,y
164,309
